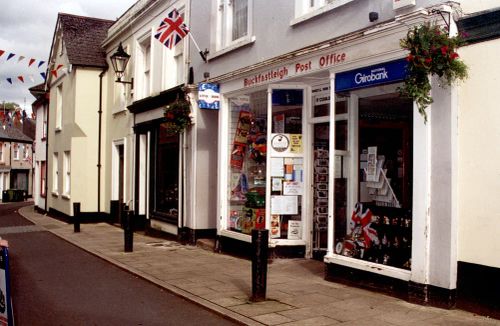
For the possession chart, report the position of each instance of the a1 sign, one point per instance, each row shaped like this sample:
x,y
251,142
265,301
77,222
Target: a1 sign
x,y
208,96
399,4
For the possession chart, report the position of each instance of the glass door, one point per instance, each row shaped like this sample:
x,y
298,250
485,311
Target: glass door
x,y
321,157
285,170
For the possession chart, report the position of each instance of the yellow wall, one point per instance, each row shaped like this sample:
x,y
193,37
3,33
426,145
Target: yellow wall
x,y
479,156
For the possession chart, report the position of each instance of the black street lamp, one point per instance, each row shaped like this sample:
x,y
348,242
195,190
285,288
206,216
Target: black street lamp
x,y
119,60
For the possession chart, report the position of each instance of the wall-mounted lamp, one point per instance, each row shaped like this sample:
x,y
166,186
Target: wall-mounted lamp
x,y
119,60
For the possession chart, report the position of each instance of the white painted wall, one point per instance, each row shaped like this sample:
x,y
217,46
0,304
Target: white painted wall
x,y
479,154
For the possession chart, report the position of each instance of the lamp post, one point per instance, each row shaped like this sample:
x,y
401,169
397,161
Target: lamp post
x,y
119,60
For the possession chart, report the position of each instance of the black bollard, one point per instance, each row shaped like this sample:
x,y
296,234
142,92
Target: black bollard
x,y
114,207
76,217
128,231
260,241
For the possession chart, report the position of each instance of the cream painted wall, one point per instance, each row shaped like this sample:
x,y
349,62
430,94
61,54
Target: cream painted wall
x,y
60,141
471,6
84,156
479,154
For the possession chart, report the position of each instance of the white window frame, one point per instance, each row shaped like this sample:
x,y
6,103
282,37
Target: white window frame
x,y
55,174
44,119
67,174
59,106
222,37
26,152
144,61
15,150
307,9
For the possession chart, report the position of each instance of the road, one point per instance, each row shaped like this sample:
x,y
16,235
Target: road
x,y
55,283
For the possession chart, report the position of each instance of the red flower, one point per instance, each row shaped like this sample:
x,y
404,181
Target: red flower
x,y
444,49
428,60
409,57
453,56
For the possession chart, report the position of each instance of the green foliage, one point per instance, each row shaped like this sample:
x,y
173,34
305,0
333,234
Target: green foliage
x,y
432,52
177,116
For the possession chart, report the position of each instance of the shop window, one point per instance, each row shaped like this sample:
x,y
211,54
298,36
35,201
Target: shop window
x,y
165,169
247,162
379,228
233,22
249,156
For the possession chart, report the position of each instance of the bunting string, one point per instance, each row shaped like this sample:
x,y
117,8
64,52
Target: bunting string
x,y
20,58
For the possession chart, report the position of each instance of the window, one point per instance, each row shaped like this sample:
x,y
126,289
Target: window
x,y
55,174
59,100
1,152
233,22
26,152
44,119
144,61
43,180
305,9
16,151
67,173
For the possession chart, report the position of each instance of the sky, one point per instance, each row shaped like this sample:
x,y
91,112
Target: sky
x,y
27,28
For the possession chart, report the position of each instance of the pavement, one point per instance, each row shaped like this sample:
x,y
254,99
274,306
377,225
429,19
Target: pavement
x,y
297,293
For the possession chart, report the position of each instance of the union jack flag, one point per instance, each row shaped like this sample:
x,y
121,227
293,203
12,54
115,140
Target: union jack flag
x,y
172,29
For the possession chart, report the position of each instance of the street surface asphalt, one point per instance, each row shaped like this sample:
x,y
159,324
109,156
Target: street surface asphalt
x,y
55,283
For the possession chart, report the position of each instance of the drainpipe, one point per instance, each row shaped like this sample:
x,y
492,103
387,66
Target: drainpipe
x,y
101,75
47,156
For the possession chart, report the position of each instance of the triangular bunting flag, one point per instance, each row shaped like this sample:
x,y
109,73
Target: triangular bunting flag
x,y
40,63
54,73
9,80
20,78
21,58
44,75
1,52
10,56
59,67
31,62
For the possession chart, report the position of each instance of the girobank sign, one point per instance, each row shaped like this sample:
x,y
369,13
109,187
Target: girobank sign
x,y
385,73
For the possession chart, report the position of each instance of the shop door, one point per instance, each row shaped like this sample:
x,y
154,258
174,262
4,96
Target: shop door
x,y
321,157
286,177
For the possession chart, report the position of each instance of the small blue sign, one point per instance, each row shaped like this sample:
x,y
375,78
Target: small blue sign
x,y
208,96
389,72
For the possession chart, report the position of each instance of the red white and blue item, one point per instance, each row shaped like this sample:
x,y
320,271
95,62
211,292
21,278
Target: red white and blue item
x,y
172,29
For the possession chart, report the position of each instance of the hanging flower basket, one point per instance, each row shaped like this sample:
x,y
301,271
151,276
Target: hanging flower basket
x,y
177,116
432,52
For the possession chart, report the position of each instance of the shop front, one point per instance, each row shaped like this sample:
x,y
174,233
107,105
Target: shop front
x,y
322,152
158,165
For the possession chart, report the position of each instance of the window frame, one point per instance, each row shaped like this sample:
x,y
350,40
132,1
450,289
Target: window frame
x,y
15,151
67,174
55,174
304,12
223,29
59,106
43,178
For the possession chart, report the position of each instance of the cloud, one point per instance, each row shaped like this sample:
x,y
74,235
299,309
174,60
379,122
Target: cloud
x,y
27,29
